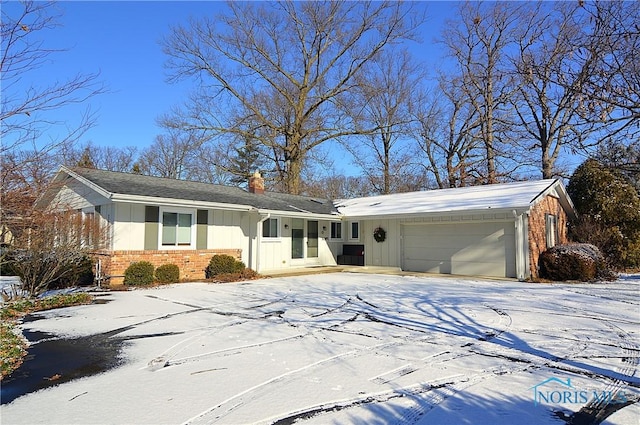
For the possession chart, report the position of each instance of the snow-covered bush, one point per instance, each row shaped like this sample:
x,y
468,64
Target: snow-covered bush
x,y
581,261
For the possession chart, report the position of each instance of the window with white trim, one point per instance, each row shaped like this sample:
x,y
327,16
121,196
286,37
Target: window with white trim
x,y
270,228
336,230
354,230
551,230
177,228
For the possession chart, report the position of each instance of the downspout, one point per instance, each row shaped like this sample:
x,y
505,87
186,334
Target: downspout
x,y
259,240
522,245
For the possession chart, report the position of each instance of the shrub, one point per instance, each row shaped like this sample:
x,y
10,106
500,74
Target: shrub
x,y
609,213
40,270
75,274
6,268
223,263
139,273
246,274
168,273
583,262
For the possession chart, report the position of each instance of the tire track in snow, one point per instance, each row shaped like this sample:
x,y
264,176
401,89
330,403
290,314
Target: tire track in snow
x,y
236,400
597,410
243,398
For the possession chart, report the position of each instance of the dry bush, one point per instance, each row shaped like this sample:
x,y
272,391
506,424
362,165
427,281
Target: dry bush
x,y
246,274
51,247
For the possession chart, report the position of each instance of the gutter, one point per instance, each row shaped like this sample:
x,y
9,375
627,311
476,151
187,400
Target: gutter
x,y
150,200
508,211
307,215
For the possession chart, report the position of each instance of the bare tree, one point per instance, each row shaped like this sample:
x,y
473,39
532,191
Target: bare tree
x,y
112,158
381,101
338,186
283,66
478,42
24,107
550,80
27,157
444,125
173,154
611,94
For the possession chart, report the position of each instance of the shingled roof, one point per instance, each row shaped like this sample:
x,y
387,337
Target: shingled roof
x,y
116,183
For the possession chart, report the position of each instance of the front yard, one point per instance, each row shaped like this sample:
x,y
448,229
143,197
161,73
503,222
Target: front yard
x,y
342,348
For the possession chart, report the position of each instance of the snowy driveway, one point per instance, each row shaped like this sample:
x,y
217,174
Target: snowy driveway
x,y
353,348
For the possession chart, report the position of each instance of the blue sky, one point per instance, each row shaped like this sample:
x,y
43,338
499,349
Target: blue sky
x,y
120,39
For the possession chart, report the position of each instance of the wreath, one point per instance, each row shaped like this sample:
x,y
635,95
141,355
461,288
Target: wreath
x,y
379,234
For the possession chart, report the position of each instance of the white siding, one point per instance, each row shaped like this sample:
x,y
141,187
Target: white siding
x,y
227,230
384,254
128,227
75,195
275,253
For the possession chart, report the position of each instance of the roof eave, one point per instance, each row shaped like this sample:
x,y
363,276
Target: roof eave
x,y
519,210
47,197
184,203
564,199
296,214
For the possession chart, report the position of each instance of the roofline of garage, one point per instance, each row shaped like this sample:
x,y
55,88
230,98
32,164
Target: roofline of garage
x,y
511,213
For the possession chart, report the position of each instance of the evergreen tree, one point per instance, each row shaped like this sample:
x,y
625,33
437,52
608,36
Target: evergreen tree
x,y
246,160
85,160
609,213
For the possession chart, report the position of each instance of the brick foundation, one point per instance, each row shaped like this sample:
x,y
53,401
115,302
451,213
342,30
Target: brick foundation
x,y
190,262
537,229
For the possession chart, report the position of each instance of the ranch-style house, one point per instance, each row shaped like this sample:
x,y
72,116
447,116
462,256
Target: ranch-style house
x,y
492,230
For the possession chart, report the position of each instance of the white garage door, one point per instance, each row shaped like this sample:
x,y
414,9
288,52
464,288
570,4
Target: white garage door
x,y
473,249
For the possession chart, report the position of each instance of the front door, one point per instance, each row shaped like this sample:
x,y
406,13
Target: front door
x,y
304,246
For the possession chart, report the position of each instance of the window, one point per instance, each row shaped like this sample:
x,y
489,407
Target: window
x,y
355,230
551,230
270,228
336,230
176,229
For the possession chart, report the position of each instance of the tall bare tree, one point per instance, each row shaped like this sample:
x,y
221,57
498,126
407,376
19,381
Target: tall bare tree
x,y
478,41
284,67
550,78
444,126
613,88
26,156
24,106
381,100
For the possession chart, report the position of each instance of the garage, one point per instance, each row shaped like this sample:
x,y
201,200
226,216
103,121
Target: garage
x,y
474,249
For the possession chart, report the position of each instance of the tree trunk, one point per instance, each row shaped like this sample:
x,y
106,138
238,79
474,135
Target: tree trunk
x,y
293,175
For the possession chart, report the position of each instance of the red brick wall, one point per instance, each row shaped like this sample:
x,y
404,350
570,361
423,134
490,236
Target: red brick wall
x,y
537,229
191,263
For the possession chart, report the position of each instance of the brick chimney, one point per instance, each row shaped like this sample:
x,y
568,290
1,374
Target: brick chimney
x,y
256,183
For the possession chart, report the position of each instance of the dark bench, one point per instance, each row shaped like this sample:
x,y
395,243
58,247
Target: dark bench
x,y
352,255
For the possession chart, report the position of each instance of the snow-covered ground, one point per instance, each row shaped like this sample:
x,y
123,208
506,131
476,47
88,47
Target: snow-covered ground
x,y
352,348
